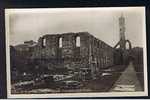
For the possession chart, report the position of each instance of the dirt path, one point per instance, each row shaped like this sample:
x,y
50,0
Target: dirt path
x,y
128,81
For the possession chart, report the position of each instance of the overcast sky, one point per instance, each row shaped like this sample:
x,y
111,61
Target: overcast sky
x,y
103,23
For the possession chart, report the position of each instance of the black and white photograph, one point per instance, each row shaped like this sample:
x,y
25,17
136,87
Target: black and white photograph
x,y
76,52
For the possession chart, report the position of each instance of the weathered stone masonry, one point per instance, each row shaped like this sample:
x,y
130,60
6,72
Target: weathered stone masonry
x,y
73,50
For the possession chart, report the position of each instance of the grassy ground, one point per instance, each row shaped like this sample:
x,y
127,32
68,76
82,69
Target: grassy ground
x,y
100,84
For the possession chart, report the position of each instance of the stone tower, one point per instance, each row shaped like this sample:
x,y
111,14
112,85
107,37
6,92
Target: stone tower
x,y
122,42
122,32
124,51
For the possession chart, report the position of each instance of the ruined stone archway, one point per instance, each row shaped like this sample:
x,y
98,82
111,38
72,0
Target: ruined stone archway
x,y
129,43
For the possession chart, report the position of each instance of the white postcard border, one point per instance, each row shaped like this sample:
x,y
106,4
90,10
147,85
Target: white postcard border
x,y
60,95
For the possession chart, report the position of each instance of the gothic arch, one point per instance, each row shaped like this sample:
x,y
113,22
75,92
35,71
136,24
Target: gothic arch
x,y
43,42
126,41
77,41
129,43
60,42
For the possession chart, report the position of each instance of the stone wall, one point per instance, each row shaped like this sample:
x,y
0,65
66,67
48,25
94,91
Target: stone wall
x,y
101,54
90,52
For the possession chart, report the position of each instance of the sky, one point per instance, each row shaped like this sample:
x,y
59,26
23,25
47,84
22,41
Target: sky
x,y
103,23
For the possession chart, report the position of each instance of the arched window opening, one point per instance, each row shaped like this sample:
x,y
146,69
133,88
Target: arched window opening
x,y
118,46
44,42
77,41
60,42
127,45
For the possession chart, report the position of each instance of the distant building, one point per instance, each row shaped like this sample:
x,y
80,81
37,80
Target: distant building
x,y
20,54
